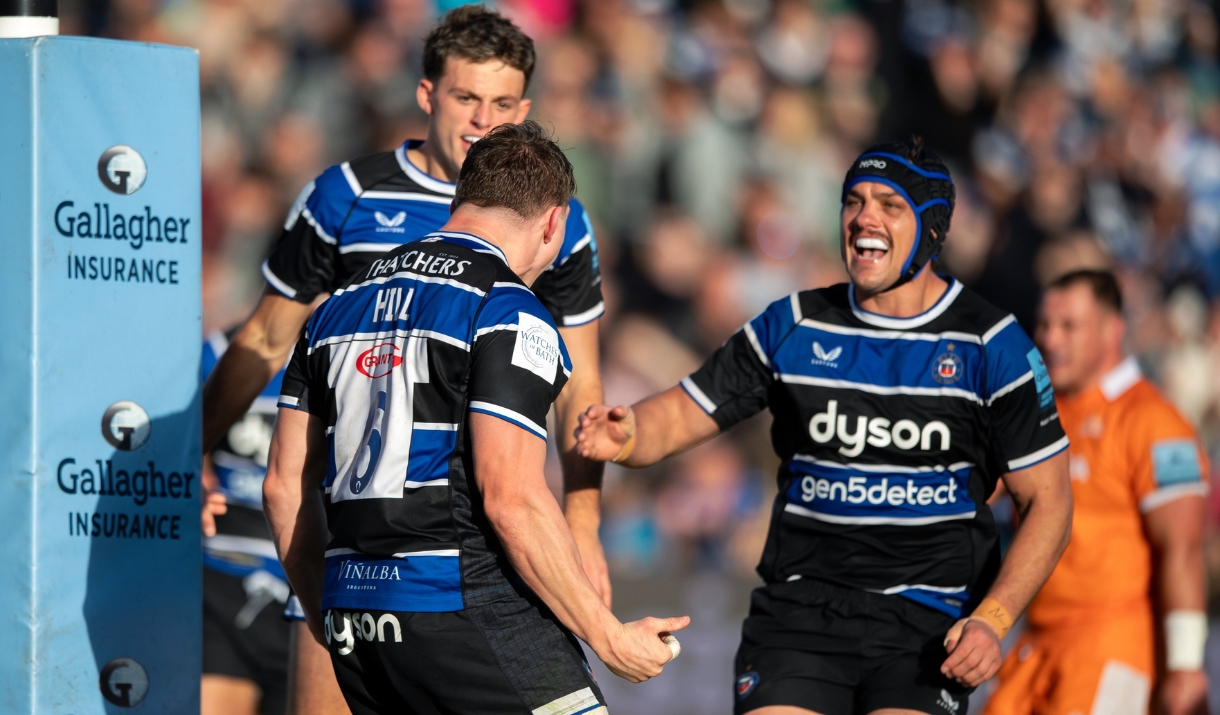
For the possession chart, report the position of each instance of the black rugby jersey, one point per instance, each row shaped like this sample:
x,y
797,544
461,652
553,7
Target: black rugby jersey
x,y
893,433
393,363
356,211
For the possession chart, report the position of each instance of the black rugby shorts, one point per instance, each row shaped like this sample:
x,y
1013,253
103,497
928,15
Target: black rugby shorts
x,y
838,651
498,659
235,646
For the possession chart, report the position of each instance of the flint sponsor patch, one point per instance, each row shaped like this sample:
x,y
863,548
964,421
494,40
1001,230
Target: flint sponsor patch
x,y
537,347
746,682
1175,461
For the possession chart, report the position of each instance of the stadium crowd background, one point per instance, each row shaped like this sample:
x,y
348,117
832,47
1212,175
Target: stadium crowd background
x,y
710,138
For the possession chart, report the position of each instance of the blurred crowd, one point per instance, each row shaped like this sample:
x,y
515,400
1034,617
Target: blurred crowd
x,y
710,138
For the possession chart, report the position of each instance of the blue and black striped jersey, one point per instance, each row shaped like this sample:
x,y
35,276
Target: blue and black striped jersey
x,y
393,364
242,544
356,211
893,433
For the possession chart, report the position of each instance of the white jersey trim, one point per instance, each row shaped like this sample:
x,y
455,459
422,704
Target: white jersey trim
x,y
513,415
698,395
276,283
581,702
876,520
880,389
753,338
352,182
995,329
891,334
884,468
418,176
1165,495
1120,379
406,196
317,227
1031,459
573,321
885,321
1010,387
921,586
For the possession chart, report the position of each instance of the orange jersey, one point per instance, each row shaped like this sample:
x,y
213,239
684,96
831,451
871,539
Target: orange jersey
x,y
1130,452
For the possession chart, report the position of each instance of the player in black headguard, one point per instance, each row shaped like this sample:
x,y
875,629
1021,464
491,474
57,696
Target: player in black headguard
x,y
899,400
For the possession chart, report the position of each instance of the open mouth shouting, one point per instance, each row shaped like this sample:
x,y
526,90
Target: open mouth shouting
x,y
870,249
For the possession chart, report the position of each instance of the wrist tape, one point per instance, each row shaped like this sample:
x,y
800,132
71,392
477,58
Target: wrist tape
x,y
627,449
1185,637
993,613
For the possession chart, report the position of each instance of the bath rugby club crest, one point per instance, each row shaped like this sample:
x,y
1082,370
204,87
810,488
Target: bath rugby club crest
x,y
947,368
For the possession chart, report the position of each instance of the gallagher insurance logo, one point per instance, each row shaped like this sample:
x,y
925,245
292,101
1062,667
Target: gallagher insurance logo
x,y
124,682
126,426
122,169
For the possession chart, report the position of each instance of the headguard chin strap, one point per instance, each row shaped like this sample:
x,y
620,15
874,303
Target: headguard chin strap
x,y
924,182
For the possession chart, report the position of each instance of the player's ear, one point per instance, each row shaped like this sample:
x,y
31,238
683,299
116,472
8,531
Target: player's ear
x,y
523,111
423,95
555,217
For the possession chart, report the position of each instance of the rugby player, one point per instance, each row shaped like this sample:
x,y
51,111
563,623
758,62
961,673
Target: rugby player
x,y
245,636
1134,571
477,66
899,400
417,398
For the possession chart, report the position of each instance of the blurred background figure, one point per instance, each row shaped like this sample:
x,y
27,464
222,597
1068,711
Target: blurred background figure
x,y
709,139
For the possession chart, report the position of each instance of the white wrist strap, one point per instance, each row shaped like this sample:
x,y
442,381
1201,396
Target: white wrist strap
x,y
1185,638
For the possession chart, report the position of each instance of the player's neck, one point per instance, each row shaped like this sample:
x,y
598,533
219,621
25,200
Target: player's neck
x,y
1095,377
506,233
428,158
908,300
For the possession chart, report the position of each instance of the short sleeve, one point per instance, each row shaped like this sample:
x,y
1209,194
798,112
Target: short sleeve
x,y
571,291
733,384
305,261
519,362
1168,461
1020,399
297,388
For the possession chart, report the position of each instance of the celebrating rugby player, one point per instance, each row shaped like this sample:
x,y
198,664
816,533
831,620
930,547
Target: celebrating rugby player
x,y
417,401
899,400
477,66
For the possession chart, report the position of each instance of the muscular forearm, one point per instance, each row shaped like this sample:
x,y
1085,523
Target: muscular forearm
x,y
239,377
667,424
582,478
300,543
542,551
1180,578
1046,526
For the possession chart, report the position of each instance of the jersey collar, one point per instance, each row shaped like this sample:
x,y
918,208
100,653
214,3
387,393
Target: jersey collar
x,y
469,240
885,321
1122,377
416,174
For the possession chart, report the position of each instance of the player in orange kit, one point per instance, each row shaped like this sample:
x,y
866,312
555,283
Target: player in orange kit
x,y
1133,572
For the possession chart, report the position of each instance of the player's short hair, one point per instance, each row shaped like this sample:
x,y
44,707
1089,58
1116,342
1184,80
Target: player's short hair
x,y
474,33
517,167
1103,285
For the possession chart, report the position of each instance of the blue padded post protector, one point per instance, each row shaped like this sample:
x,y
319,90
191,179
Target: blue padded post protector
x,y
100,574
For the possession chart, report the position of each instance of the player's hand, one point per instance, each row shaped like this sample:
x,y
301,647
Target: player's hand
x,y
974,652
635,651
213,506
1184,692
593,560
604,431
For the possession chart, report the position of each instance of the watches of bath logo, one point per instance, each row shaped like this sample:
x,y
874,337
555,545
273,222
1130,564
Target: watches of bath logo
x,y
124,682
122,169
126,426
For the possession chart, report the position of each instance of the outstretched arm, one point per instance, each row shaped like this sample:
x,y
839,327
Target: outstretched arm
x,y
642,435
508,464
257,352
1043,496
